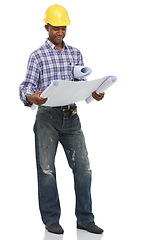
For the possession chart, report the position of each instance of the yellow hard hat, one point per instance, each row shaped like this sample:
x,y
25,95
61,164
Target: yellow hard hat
x,y
57,15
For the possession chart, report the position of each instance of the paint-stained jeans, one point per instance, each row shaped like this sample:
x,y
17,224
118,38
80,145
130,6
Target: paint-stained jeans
x,y
52,126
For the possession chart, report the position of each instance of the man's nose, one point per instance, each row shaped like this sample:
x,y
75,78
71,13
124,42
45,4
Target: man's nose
x,y
59,32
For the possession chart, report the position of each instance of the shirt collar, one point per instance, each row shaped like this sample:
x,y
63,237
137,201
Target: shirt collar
x,y
52,46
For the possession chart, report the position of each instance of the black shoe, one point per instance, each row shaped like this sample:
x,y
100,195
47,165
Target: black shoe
x,y
55,228
90,227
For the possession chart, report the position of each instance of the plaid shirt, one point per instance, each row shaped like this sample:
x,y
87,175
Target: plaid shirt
x,y
47,64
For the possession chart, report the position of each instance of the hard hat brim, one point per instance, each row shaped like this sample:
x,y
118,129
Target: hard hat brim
x,y
57,24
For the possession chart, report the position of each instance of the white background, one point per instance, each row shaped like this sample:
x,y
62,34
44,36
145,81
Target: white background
x,y
114,38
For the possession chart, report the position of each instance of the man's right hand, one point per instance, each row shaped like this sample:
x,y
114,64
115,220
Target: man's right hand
x,y
36,99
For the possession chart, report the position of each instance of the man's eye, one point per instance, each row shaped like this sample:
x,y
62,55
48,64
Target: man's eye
x,y
56,29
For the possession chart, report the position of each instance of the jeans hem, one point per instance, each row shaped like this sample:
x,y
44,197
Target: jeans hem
x,y
51,222
84,222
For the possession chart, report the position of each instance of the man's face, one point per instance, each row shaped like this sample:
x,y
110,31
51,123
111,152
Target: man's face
x,y
56,34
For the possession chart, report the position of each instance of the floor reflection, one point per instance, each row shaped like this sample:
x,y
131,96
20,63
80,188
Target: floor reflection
x,y
84,235
81,235
51,236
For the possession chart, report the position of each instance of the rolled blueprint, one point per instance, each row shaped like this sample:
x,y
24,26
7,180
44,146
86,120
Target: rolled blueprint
x,y
106,84
81,71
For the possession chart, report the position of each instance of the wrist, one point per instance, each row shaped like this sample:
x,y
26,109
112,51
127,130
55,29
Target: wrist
x,y
28,98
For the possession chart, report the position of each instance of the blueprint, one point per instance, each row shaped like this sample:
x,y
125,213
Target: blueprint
x,y
60,92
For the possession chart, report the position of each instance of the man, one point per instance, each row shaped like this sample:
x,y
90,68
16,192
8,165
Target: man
x,y
55,61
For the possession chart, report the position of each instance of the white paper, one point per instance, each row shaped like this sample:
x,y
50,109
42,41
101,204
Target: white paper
x,y
61,92
102,88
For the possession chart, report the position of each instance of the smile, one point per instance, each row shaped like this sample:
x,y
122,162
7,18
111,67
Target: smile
x,y
59,38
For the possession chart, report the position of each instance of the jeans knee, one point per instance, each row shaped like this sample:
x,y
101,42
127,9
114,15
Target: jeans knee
x,y
48,172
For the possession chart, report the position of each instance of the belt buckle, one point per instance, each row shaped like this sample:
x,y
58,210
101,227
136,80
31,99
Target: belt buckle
x,y
66,107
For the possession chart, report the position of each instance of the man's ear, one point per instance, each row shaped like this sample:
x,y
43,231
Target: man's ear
x,y
47,27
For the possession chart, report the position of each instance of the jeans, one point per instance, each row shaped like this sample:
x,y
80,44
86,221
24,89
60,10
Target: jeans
x,y
52,126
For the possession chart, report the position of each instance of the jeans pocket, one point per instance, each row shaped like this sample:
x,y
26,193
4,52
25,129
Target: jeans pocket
x,y
43,112
75,123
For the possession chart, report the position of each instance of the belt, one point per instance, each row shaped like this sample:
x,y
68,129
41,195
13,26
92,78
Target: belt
x,y
66,107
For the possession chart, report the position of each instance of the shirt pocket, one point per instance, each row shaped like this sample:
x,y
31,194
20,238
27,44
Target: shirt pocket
x,y
68,70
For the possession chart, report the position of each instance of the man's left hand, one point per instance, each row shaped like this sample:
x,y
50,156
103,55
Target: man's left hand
x,y
99,96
